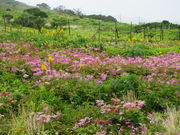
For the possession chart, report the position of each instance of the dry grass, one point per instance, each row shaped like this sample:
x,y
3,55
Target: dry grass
x,y
130,97
25,123
172,122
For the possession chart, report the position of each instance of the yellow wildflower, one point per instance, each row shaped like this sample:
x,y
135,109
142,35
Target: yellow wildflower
x,y
129,40
134,39
62,31
30,31
81,65
43,67
50,58
43,29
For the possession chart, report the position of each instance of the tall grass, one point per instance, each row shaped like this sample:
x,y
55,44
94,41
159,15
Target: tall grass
x,y
172,122
25,123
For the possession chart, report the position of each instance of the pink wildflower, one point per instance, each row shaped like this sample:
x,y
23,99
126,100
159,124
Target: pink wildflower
x,y
129,106
140,104
103,76
45,108
1,116
25,76
13,101
99,102
88,77
115,100
38,73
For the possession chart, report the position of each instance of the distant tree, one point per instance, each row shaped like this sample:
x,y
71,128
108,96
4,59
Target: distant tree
x,y
36,12
8,9
7,17
43,5
79,13
39,23
59,9
165,22
32,17
25,20
59,22
155,25
102,17
69,12
62,9
28,20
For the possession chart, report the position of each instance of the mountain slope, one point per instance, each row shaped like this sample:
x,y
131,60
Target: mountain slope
x,y
12,4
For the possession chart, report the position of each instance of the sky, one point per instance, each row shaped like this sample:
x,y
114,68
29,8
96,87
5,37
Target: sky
x,y
124,10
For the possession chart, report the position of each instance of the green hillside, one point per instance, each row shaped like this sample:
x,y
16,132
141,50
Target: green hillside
x,y
12,4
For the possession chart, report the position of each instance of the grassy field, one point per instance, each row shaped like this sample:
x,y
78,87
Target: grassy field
x,y
88,81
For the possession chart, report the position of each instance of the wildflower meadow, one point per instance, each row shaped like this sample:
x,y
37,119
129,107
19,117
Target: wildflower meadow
x,y
58,79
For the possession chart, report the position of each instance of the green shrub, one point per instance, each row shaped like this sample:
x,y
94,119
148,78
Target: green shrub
x,y
119,87
159,98
74,91
137,50
58,22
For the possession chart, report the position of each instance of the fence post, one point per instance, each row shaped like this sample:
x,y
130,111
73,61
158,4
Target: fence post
x,y
144,32
131,32
4,20
115,32
162,33
69,27
179,32
99,31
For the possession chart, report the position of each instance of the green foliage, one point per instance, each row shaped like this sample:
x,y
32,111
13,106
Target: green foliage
x,y
59,22
62,9
32,17
36,12
137,50
142,71
44,5
74,91
135,116
7,17
27,20
120,86
155,25
75,98
158,99
102,17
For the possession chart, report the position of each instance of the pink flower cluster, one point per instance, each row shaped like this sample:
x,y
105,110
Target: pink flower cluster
x,y
1,116
117,109
45,118
86,64
73,62
82,122
99,102
119,105
6,98
137,105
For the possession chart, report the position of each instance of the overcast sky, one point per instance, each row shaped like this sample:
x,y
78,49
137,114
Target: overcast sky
x,y
124,10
